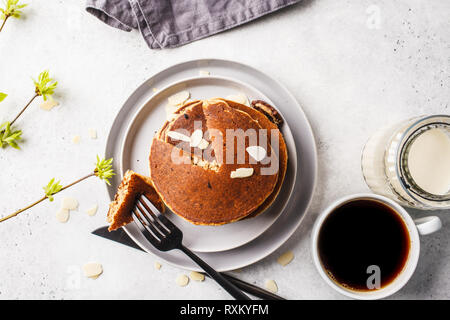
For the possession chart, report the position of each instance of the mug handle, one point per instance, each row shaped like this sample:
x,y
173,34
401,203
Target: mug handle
x,y
427,225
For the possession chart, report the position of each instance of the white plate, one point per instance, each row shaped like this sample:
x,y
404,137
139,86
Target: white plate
x,y
150,118
306,153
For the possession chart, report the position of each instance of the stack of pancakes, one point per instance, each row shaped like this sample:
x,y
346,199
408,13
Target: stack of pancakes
x,y
196,182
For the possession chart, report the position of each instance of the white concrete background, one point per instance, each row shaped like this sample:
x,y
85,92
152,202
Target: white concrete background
x,y
353,65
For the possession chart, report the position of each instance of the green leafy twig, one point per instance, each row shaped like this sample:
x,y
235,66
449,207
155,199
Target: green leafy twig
x,y
8,136
103,170
12,10
52,188
45,86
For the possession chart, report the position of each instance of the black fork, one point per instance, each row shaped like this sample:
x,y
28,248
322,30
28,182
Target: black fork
x,y
165,236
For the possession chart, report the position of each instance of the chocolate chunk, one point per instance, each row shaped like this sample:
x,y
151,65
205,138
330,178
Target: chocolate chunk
x,y
269,111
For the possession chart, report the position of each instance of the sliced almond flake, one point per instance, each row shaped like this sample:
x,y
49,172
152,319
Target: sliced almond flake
x,y
256,152
93,133
203,144
157,265
92,211
179,98
170,112
241,173
182,280
178,136
76,139
196,138
285,258
92,270
239,98
69,203
196,276
49,104
204,73
62,215
271,285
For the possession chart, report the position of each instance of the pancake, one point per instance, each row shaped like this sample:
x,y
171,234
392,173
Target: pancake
x,y
131,187
200,189
270,125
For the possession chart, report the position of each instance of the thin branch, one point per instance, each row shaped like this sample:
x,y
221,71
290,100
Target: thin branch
x,y
3,24
45,197
20,113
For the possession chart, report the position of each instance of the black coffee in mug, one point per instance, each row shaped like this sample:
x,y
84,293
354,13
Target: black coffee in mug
x,y
360,238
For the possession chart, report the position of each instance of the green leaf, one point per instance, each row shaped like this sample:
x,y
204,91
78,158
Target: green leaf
x,y
2,96
12,9
45,86
52,188
8,136
104,170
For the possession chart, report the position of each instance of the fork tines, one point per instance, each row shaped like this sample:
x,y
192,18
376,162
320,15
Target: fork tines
x,y
148,217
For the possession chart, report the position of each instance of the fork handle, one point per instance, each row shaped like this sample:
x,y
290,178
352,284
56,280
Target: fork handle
x,y
224,283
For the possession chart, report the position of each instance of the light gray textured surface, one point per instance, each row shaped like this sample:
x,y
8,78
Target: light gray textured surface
x,y
354,66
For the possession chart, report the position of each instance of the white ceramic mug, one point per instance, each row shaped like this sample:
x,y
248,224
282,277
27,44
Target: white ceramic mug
x,y
415,228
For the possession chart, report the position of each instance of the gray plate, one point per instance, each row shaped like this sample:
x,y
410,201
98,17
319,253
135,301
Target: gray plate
x,y
303,180
150,118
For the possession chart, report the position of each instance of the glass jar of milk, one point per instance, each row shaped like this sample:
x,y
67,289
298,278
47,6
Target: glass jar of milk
x,y
410,162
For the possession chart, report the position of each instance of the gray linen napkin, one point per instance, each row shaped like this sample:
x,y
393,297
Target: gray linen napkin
x,y
172,23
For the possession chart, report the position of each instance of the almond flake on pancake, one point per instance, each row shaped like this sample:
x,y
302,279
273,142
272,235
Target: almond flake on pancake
x,y
239,98
256,152
179,98
170,112
178,136
203,144
242,173
196,138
